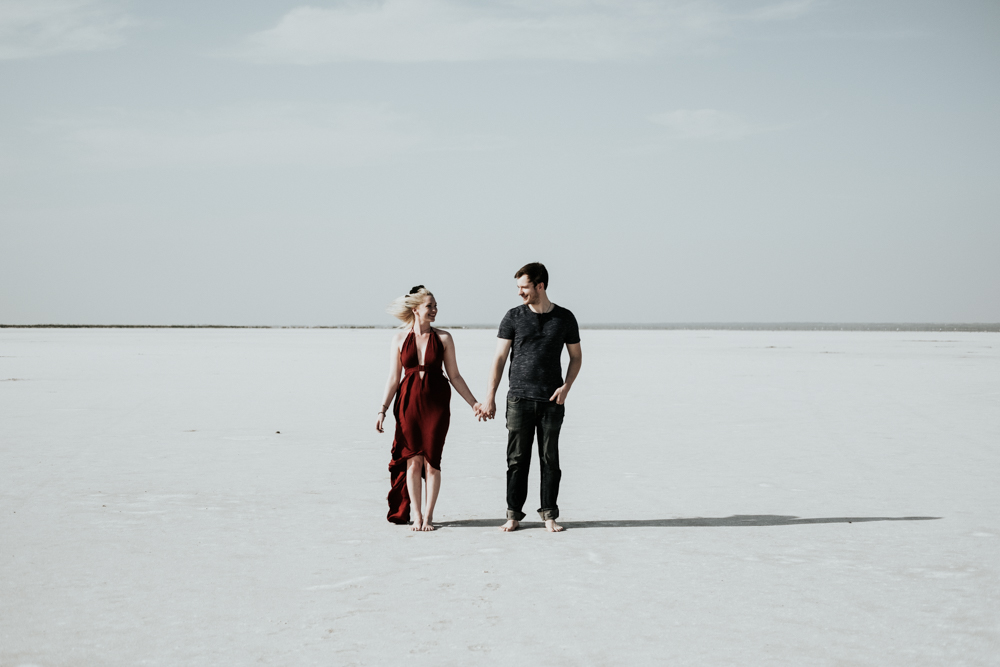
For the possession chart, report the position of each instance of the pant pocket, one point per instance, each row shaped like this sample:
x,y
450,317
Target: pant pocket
x,y
515,416
553,417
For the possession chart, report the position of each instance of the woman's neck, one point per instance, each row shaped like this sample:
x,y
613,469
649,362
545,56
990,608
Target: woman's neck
x,y
421,327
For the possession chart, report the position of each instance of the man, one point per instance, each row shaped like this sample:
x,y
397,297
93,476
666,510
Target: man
x,y
534,334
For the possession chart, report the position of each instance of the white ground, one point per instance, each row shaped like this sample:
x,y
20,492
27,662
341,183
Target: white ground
x,y
151,515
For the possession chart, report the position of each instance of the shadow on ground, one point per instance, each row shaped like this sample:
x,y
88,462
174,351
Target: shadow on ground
x,y
707,522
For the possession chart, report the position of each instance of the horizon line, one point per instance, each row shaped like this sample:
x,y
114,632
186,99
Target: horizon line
x,y
990,327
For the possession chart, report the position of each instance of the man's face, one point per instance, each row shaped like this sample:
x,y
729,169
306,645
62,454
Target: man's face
x,y
529,294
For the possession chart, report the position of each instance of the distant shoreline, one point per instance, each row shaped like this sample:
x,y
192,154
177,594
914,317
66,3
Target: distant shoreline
x,y
684,326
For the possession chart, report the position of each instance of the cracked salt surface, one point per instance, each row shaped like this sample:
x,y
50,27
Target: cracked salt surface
x,y
732,497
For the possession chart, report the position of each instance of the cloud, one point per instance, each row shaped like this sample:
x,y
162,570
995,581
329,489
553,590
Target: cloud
x,y
781,11
34,28
705,124
455,31
250,135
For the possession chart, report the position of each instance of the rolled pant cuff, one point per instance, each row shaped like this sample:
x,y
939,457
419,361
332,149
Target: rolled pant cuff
x,y
515,515
546,515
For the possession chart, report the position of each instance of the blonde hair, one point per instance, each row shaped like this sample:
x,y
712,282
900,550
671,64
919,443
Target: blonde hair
x,y
402,308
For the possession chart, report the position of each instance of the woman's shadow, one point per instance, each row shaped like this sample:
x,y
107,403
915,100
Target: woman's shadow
x,y
694,522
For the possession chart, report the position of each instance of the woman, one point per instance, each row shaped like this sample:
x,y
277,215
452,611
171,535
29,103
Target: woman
x,y
421,409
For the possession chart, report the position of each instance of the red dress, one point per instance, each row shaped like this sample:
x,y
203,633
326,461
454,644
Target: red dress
x,y
423,412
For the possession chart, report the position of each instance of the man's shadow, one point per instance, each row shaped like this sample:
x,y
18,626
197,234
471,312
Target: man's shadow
x,y
695,522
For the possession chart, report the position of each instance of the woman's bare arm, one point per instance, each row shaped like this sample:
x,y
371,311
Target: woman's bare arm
x,y
451,367
392,384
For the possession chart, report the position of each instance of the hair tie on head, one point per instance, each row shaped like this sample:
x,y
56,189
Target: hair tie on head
x,y
416,289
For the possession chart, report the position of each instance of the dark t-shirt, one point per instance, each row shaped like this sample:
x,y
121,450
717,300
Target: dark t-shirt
x,y
535,368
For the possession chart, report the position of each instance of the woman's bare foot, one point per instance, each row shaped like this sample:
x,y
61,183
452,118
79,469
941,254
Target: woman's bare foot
x,y
428,523
418,523
510,526
552,526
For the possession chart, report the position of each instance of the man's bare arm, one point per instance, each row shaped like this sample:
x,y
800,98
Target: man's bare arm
x,y
496,372
575,362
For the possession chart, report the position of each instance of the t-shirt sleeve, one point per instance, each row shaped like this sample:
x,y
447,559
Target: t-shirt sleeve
x,y
572,330
507,326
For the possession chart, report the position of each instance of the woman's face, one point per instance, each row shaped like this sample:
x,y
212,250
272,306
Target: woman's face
x,y
427,311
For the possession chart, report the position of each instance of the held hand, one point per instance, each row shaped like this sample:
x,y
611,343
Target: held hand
x,y
378,424
477,410
491,410
560,396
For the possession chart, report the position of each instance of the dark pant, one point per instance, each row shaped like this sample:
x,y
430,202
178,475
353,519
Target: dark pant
x,y
524,418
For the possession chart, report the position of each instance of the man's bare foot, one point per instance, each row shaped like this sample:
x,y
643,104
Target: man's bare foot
x,y
510,526
428,524
552,526
418,523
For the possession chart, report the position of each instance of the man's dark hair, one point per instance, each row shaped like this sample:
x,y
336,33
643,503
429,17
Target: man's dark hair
x,y
536,273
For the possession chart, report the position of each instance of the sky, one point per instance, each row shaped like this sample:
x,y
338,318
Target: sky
x,y
279,163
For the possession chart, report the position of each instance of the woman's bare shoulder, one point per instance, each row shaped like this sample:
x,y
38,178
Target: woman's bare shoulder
x,y
399,337
443,335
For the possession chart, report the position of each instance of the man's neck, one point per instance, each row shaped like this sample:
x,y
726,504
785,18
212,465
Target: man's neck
x,y
543,305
